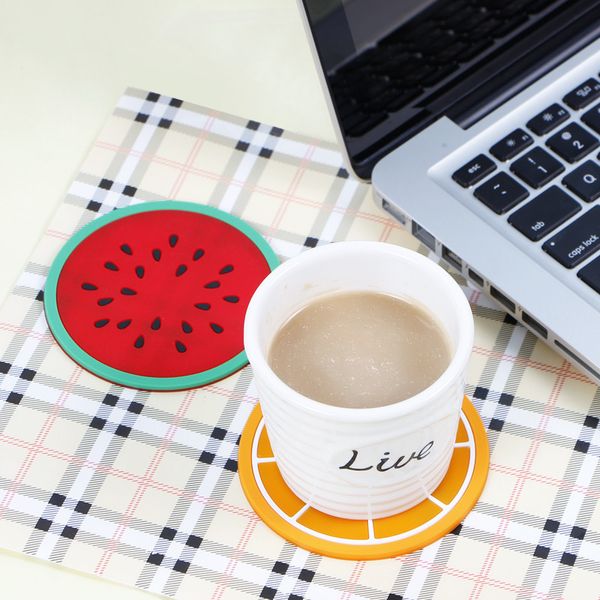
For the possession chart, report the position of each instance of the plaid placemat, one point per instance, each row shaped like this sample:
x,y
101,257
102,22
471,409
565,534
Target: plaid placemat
x,y
142,487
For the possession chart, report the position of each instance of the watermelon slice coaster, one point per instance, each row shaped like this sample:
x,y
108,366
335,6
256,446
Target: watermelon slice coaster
x,y
153,296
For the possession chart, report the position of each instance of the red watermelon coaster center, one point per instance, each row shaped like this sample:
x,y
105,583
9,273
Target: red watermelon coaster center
x,y
154,295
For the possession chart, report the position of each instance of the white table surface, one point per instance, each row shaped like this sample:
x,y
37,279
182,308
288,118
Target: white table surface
x,y
63,65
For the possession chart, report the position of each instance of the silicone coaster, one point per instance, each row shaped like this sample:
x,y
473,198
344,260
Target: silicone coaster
x,y
411,530
153,296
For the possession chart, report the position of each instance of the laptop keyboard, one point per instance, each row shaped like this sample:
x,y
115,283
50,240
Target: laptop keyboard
x,y
422,55
536,155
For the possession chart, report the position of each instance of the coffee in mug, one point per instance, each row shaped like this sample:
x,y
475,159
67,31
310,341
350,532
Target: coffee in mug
x,y
360,349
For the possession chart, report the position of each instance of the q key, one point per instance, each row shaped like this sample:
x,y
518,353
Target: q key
x,y
585,181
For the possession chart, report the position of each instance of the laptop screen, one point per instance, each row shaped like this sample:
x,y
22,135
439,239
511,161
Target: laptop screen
x,y
393,67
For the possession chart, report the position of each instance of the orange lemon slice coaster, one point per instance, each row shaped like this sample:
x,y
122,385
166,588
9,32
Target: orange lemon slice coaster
x,y
303,525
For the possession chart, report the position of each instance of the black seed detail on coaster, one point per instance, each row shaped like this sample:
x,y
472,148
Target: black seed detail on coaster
x,y
216,328
181,269
104,301
127,249
128,292
111,266
211,285
232,299
187,328
173,239
180,346
156,324
198,254
156,254
139,271
124,324
202,306
226,269
89,287
101,323
139,343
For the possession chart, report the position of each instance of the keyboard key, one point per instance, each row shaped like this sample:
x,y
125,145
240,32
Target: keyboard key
x,y
592,118
548,119
511,145
590,274
572,143
544,213
585,181
576,242
501,192
583,94
537,167
474,171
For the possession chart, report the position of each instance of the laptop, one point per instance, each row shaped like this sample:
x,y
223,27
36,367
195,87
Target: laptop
x,y
478,123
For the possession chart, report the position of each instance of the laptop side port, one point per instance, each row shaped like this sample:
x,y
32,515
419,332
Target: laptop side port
x,y
533,324
451,258
423,235
576,358
394,211
476,277
500,297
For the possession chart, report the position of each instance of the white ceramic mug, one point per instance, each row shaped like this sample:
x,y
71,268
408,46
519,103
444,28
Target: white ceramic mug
x,y
360,463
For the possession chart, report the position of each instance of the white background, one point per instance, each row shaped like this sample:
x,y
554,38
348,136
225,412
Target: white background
x,y
63,65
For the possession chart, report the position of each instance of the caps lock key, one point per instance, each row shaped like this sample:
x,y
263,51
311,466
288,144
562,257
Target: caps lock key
x,y
577,241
